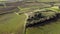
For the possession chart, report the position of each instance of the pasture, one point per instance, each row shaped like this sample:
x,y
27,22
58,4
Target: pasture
x,y
51,28
12,23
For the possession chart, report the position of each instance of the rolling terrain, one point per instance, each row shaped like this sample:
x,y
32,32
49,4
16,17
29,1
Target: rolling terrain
x,y
47,28
11,23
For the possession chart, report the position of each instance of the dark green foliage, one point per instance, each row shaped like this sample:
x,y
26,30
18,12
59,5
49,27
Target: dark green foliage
x,y
40,17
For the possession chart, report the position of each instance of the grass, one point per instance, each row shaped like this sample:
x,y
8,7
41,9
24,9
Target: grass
x,y
12,23
53,28
55,8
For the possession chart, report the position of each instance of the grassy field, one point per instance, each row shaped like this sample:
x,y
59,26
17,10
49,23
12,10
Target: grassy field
x,y
12,23
53,28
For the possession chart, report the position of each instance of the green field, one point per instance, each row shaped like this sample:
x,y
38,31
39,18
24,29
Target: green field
x,y
12,23
53,28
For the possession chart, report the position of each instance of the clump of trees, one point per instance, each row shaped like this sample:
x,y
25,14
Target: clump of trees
x,y
39,18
